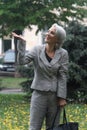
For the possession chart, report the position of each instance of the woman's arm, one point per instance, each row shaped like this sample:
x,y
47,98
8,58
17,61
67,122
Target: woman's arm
x,y
22,57
62,80
21,43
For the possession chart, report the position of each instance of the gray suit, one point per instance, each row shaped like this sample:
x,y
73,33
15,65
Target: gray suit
x,y
48,76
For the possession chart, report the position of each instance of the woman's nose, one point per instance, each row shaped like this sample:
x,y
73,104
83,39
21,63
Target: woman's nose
x,y
47,33
44,34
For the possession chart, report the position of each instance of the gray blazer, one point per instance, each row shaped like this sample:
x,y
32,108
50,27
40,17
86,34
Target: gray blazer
x,y
48,76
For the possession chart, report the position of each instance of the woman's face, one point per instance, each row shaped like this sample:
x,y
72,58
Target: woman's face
x,y
51,37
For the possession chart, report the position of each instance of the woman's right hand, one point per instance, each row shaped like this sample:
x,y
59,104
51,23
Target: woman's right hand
x,y
20,37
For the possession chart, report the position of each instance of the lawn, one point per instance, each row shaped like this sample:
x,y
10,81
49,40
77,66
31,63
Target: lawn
x,y
11,82
14,113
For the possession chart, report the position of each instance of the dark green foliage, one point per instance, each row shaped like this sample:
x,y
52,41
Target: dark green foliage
x,y
1,85
76,44
27,71
1,60
17,14
26,88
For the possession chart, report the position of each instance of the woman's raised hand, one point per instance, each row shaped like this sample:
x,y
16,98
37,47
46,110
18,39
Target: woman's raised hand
x,y
20,37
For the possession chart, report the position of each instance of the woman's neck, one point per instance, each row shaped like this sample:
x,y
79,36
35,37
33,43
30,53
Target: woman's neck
x,y
50,50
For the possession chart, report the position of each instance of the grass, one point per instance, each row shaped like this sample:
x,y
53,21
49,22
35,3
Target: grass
x,y
11,82
14,113
78,113
14,110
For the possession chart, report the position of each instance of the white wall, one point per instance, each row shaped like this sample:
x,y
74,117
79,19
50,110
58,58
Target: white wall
x,y
12,45
0,45
31,38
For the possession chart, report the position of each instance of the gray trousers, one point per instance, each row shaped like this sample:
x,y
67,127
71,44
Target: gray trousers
x,y
43,106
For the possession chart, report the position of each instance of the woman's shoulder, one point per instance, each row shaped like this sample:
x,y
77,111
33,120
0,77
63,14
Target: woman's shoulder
x,y
38,47
63,50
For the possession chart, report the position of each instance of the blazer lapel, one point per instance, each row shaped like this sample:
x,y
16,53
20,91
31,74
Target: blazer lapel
x,y
56,56
43,57
54,60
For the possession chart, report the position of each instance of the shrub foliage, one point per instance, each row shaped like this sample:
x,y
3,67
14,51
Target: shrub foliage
x,y
76,44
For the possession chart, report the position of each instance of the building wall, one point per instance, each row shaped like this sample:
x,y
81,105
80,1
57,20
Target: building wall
x,y
31,38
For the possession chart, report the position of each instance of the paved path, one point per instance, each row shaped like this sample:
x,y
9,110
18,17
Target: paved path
x,y
11,91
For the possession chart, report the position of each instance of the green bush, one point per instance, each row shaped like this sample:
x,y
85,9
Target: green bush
x,y
76,44
29,73
1,84
26,70
1,60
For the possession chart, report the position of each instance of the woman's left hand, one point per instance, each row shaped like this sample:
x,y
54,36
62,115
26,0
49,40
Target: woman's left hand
x,y
61,102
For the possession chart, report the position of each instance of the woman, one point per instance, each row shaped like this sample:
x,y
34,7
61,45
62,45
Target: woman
x,y
50,77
